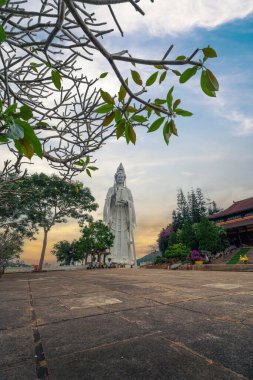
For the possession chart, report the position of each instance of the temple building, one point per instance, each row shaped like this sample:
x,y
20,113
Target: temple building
x,y
237,221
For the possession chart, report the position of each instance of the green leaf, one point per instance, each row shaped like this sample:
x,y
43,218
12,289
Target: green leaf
x,y
212,83
15,132
181,112
176,104
87,160
48,64
33,66
56,79
106,97
139,118
127,133
92,168
160,101
173,128
103,75
166,132
151,80
181,58
2,34
209,52
120,129
88,172
29,138
42,124
149,111
79,163
176,72
159,67
131,133
162,77
187,74
136,77
108,119
2,2
131,109
25,112
156,124
105,108
11,109
169,97
203,85
122,93
26,148
3,139
118,116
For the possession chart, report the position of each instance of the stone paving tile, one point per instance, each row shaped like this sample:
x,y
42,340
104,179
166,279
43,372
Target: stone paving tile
x,y
158,330
16,346
25,371
84,333
216,339
230,307
148,357
15,313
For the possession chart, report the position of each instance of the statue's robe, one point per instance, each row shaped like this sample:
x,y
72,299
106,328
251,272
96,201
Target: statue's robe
x,y
119,215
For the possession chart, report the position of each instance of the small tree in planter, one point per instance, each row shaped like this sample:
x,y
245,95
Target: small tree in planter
x,y
177,252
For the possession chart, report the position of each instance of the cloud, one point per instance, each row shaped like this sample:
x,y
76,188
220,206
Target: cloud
x,y
242,124
187,174
175,17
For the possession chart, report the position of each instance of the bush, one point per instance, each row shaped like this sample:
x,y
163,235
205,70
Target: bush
x,y
160,260
196,256
177,251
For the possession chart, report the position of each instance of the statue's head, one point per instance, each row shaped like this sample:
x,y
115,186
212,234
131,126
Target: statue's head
x,y
120,175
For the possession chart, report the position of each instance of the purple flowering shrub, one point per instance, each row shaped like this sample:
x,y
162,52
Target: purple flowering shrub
x,y
196,255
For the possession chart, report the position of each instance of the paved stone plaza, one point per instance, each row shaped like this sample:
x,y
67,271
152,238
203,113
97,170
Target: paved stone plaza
x,y
126,324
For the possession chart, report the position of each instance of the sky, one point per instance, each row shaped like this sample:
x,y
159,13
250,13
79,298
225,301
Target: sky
x,y
214,147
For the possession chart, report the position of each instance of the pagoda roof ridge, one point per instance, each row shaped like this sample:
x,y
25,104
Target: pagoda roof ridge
x,y
236,207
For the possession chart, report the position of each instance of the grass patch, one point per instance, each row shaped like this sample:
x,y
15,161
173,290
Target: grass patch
x,y
236,257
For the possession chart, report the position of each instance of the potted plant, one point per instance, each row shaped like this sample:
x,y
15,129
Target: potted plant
x,y
196,257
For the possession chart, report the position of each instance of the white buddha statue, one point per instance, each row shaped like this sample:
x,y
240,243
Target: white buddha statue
x,y
119,215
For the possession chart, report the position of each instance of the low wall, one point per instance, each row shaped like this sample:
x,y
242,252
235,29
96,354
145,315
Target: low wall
x,y
220,267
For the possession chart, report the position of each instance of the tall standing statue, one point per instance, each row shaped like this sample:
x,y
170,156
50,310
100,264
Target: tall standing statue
x,y
119,215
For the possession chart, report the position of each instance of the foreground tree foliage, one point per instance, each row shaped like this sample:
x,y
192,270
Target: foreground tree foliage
x,y
54,200
51,109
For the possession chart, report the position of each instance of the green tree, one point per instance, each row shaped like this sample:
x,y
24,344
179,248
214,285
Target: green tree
x,y
190,209
209,236
187,236
11,243
182,213
213,208
202,203
64,252
177,251
53,200
13,201
96,239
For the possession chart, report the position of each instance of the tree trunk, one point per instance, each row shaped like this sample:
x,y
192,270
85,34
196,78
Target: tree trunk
x,y
43,251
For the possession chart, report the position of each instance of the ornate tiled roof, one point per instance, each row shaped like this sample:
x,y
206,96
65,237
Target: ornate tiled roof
x,y
235,208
